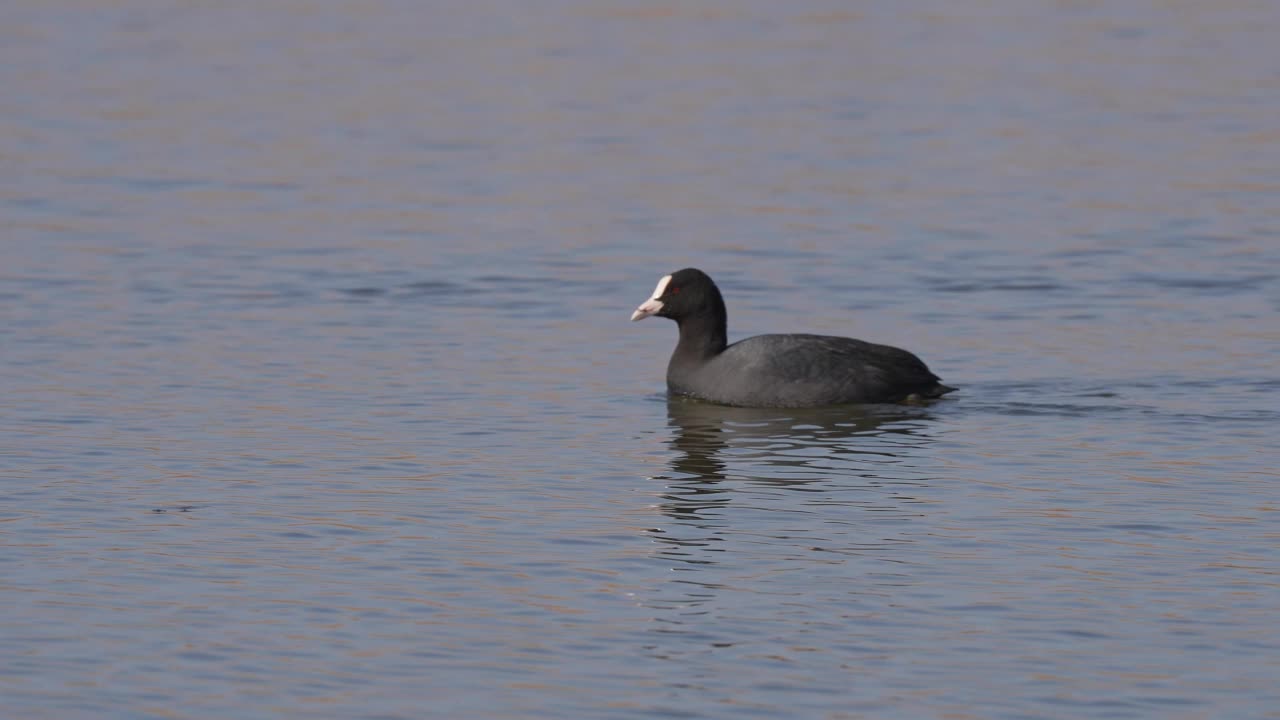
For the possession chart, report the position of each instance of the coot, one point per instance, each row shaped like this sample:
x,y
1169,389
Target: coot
x,y
776,370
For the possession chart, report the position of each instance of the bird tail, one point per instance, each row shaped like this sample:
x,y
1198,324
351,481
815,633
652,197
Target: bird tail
x,y
938,390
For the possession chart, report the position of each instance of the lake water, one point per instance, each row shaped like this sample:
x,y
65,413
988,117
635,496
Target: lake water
x,y
320,399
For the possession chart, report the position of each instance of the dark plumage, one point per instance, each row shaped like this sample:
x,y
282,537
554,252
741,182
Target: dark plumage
x,y
776,370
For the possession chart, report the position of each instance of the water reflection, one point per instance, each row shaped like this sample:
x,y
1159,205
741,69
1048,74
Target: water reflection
x,y
766,451
757,498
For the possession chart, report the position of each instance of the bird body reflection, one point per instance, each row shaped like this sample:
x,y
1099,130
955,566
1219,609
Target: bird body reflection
x,y
816,450
767,504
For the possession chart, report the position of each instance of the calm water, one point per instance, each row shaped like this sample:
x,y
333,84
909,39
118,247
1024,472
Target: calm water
x,y
319,397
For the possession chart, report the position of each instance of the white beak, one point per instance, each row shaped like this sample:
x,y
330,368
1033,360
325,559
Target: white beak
x,y
653,304
649,307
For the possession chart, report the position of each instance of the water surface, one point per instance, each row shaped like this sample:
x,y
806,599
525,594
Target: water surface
x,y
320,400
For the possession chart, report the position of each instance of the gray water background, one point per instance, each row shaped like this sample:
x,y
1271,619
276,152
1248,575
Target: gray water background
x,y
319,397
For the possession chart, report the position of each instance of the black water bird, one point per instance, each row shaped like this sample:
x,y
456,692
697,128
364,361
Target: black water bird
x,y
794,370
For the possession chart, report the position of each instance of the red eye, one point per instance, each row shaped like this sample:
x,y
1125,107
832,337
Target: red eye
x,y
675,291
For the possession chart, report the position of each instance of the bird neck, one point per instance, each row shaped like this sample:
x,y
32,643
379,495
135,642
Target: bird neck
x,y
702,336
